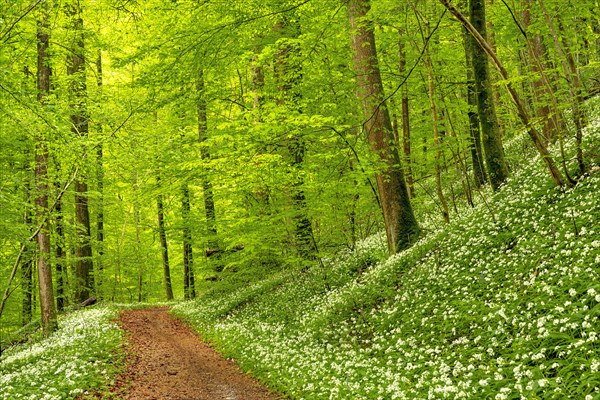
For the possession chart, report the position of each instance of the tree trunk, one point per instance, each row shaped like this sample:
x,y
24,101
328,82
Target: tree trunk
x,y
100,188
49,323
490,128
209,202
60,255
84,273
27,267
575,85
407,161
400,223
479,175
288,66
436,138
164,245
521,110
188,257
542,92
138,245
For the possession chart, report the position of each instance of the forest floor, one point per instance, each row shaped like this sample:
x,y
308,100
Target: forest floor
x,y
168,361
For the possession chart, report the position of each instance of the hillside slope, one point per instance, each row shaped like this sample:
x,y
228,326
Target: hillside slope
x,y
503,303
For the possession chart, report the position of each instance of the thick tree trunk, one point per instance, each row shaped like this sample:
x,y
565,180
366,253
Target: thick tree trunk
x,y
490,128
288,75
49,323
479,175
400,223
162,233
84,273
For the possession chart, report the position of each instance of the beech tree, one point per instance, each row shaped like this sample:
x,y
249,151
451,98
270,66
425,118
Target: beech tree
x,y
400,224
76,69
490,127
44,74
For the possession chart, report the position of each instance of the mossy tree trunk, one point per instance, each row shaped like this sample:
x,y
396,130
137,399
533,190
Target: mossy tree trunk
x,y
490,128
288,74
479,174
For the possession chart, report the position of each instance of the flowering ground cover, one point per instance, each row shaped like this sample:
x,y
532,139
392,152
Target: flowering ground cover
x,y
81,355
503,303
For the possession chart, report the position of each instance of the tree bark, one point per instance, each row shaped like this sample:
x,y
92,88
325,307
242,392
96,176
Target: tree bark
x,y
49,323
288,74
407,160
164,245
536,51
27,267
479,175
84,273
575,85
100,188
188,256
490,128
400,223
521,110
209,202
60,255
437,143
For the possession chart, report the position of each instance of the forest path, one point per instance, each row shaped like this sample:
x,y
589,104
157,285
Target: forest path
x,y
168,361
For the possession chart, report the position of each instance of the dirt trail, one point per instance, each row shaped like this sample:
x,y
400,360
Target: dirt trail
x,y
169,362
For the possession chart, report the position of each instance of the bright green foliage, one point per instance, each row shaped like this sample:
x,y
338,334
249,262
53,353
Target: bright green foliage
x,y
486,308
82,355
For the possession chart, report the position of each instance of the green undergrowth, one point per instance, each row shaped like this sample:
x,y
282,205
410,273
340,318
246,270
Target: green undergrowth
x,y
503,303
83,355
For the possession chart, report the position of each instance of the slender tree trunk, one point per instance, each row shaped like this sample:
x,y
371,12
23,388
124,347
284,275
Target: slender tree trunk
x,y
400,223
437,143
27,267
76,64
407,160
479,175
188,257
542,92
49,323
575,85
521,110
164,245
490,128
60,255
209,202
258,84
288,66
100,188
138,248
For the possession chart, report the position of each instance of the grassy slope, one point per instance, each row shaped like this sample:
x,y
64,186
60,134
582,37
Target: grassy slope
x,y
489,307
